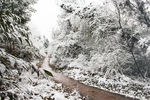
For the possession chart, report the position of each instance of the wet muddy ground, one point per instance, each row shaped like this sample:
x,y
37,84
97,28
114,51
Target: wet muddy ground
x,y
87,91
91,92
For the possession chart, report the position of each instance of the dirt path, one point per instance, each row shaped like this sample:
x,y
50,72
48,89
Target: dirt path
x,y
84,90
91,92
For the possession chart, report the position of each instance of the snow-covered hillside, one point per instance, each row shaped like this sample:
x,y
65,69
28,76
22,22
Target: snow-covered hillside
x,y
105,44
100,43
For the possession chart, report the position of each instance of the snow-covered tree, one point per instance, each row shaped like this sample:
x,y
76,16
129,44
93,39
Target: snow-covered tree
x,y
109,31
16,50
14,36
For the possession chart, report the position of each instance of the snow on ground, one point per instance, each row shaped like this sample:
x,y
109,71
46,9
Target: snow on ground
x,y
121,84
79,69
29,83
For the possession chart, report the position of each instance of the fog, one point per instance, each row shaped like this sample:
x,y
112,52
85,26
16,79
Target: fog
x,y
44,19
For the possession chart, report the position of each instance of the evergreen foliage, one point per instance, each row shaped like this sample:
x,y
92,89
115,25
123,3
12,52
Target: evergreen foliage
x,y
14,34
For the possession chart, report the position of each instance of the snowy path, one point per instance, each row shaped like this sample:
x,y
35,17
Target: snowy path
x,y
84,90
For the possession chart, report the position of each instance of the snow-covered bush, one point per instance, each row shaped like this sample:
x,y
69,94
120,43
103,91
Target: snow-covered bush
x,y
16,50
110,30
14,35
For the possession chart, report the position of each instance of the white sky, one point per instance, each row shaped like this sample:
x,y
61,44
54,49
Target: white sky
x,y
44,19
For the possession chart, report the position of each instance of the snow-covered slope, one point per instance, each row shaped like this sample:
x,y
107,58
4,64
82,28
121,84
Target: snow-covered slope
x,y
99,44
23,80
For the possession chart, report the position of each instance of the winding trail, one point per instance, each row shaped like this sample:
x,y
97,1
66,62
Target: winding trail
x,y
91,92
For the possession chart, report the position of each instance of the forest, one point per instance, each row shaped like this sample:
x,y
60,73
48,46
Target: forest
x,y
100,50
